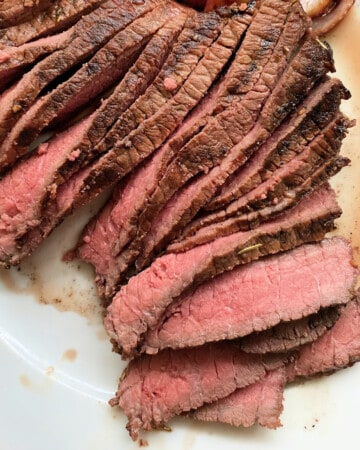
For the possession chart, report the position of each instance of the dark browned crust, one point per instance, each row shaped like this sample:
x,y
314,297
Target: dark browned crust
x,y
288,336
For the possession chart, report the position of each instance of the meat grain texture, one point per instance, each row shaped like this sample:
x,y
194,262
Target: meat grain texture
x,y
218,133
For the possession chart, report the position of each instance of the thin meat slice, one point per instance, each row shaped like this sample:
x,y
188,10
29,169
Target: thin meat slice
x,y
15,59
108,65
107,234
137,145
56,159
152,131
313,276
17,11
261,28
261,402
55,210
87,36
60,15
155,389
286,95
337,348
106,57
251,220
118,234
269,29
222,134
288,336
284,98
291,182
288,182
317,110
117,223
140,304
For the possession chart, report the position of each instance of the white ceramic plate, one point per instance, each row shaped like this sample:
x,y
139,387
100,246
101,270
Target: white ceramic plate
x,y
58,371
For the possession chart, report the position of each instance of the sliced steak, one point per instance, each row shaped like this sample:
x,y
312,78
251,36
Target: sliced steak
x,y
156,388
55,160
222,133
15,59
17,11
87,36
261,402
258,30
291,335
269,29
263,27
286,183
251,220
285,188
55,210
318,109
134,311
108,65
194,159
134,84
156,125
60,15
224,308
179,172
135,145
121,226
337,348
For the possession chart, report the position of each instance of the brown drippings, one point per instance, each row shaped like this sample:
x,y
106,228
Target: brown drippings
x,y
24,380
69,355
39,387
50,371
67,286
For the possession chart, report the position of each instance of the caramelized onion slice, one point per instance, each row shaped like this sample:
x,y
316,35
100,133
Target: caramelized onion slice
x,y
330,17
315,8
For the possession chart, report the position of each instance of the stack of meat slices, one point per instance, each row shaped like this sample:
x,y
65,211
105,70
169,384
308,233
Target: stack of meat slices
x,y
218,133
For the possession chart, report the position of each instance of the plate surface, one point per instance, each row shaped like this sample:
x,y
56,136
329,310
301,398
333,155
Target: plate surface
x,y
58,371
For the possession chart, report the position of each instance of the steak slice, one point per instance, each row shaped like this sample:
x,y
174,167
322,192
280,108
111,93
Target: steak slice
x,y
112,166
194,159
134,311
15,59
178,173
318,109
156,388
222,134
54,211
224,308
17,11
117,225
87,36
251,220
55,159
261,402
289,182
162,121
337,348
107,66
288,336
62,14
